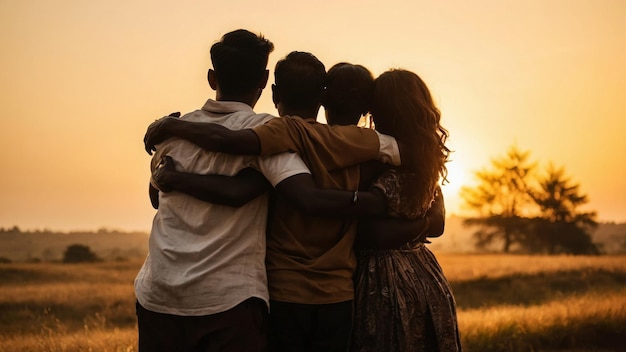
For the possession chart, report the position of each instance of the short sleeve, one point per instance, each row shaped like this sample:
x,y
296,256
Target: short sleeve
x,y
279,167
336,147
274,137
389,153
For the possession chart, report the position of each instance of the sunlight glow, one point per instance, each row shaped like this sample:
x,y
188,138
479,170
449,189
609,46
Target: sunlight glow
x,y
458,176
83,81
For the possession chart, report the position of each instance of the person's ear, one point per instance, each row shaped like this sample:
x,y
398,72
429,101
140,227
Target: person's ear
x,y
263,82
275,95
212,79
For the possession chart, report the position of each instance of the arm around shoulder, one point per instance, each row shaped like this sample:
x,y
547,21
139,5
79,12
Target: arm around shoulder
x,y
302,192
388,233
233,191
208,136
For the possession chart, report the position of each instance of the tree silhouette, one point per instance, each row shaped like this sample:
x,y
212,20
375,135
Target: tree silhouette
x,y
534,214
501,200
561,227
78,253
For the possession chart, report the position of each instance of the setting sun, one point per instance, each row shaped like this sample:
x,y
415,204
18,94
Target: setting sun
x,y
458,177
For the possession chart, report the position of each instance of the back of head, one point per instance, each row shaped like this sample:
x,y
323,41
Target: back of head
x,y
403,107
240,60
349,90
300,79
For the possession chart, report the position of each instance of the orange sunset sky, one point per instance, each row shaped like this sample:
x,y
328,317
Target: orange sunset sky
x,y
80,81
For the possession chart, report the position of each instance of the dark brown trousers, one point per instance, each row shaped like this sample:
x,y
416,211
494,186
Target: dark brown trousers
x,y
240,329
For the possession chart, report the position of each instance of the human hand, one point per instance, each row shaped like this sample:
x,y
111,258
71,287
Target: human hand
x,y
436,215
158,132
163,173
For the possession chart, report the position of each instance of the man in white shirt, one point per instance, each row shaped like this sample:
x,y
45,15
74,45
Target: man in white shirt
x,y
203,286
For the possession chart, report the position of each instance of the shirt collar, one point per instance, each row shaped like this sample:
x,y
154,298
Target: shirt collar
x,y
225,107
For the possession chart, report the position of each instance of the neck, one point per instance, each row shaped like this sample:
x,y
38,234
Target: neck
x,y
303,113
334,118
248,99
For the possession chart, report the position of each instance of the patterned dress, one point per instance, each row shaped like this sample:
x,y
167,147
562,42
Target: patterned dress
x,y
403,302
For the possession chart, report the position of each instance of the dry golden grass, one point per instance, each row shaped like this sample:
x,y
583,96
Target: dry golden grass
x,y
38,299
505,303
593,319
113,340
465,267
60,293
539,303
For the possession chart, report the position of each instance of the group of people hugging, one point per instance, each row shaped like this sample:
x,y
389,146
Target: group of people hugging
x,y
287,234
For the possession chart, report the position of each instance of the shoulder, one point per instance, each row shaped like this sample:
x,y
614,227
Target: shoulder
x,y
363,134
399,188
244,120
278,167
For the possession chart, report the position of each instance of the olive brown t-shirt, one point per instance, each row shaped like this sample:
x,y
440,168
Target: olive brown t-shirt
x,y
310,259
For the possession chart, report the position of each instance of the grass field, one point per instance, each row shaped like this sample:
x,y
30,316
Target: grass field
x,y
505,303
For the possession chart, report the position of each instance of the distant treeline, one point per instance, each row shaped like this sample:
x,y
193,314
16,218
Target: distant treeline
x,y
458,237
100,231
49,246
46,245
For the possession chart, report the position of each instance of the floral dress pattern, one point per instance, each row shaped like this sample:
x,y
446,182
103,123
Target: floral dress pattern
x,y
403,302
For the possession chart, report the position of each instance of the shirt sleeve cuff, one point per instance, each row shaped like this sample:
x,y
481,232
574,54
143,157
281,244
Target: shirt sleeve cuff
x,y
389,152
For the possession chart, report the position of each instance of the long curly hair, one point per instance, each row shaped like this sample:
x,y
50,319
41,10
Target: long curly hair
x,y
403,107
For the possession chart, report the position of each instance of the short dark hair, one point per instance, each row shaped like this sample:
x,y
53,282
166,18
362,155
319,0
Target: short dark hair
x,y
349,93
240,60
300,79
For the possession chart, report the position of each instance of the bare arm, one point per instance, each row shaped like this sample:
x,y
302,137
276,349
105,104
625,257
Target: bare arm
x,y
387,233
233,191
206,135
302,192
437,215
299,189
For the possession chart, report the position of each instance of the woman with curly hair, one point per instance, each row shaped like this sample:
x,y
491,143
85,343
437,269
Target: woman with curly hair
x,y
403,302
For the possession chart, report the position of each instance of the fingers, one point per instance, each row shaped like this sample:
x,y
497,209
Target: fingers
x,y
160,173
168,163
157,132
146,142
150,139
148,146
